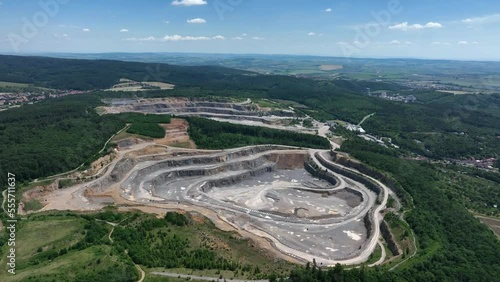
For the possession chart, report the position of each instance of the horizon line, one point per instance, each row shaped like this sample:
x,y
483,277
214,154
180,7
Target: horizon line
x,y
254,54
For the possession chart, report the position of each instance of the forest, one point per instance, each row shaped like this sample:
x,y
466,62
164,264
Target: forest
x,y
209,134
453,245
58,135
52,137
438,126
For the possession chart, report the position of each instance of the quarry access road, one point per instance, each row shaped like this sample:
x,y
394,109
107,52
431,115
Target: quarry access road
x,y
377,219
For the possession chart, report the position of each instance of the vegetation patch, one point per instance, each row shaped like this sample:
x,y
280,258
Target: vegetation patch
x,y
209,134
147,129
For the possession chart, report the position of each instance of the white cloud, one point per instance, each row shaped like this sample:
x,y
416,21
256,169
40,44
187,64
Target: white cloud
x,y
150,38
482,20
257,38
176,37
189,2
85,30
311,34
197,21
433,25
405,26
440,43
328,10
123,30
408,43
238,38
475,42
244,34
395,42
463,42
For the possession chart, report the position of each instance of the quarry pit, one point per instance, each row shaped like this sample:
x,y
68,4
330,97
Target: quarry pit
x,y
298,201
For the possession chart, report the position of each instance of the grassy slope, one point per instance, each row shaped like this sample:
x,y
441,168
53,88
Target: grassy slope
x,y
41,234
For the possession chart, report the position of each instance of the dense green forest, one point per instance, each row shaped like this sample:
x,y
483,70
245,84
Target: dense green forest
x,y
58,135
147,129
453,245
209,134
439,126
101,74
52,136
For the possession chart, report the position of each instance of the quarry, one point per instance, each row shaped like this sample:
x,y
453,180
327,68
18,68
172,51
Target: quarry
x,y
296,201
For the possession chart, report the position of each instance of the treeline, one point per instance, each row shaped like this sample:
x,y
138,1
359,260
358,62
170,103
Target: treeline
x,y
209,134
102,74
453,245
340,274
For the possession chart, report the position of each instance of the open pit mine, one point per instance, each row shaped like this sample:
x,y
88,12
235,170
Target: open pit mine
x,y
298,201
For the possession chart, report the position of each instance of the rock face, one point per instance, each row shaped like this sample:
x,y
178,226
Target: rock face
x,y
289,161
355,176
389,238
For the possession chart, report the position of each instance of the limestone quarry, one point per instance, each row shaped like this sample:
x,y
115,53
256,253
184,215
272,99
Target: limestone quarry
x,y
298,202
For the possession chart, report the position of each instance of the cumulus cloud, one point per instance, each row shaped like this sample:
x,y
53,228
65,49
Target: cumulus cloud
x,y
238,38
150,38
311,34
405,26
482,20
189,2
463,42
123,30
177,37
257,38
395,42
85,30
328,10
197,21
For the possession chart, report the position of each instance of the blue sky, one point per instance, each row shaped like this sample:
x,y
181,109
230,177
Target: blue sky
x,y
458,29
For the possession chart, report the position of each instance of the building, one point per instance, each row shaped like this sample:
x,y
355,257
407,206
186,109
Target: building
x,y
410,99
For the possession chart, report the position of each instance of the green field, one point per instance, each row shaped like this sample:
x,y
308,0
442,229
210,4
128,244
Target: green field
x,y
45,251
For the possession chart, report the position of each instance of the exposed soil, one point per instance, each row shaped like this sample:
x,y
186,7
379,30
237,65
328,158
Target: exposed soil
x,y
177,134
